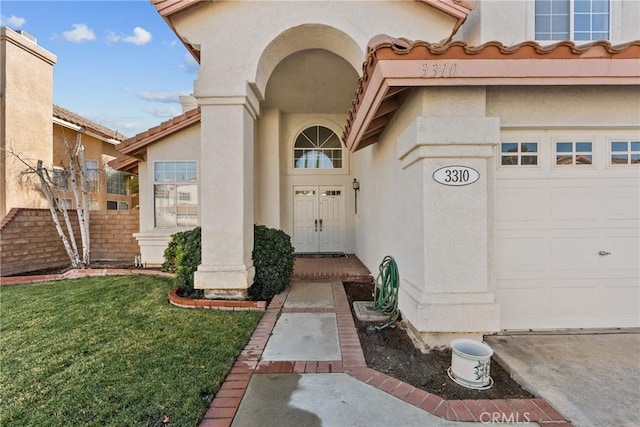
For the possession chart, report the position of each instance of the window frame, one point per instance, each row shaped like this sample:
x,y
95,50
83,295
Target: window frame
x,y
322,154
519,154
120,205
123,176
574,153
571,30
176,201
57,174
93,184
302,126
629,152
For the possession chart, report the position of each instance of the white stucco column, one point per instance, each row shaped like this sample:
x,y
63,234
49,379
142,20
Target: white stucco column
x,y
457,295
226,195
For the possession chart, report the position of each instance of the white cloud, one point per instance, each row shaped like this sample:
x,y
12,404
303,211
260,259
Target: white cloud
x,y
140,36
163,112
165,97
170,44
14,22
79,34
113,37
189,64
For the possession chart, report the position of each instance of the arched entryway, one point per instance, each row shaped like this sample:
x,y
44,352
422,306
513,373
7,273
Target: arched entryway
x,y
303,171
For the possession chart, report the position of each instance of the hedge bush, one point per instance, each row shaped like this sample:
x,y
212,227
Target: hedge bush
x,y
182,257
273,260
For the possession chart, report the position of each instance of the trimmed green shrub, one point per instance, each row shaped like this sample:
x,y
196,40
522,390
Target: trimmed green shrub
x,y
182,257
273,260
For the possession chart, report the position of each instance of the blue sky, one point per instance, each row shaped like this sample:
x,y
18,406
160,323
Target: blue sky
x,y
119,64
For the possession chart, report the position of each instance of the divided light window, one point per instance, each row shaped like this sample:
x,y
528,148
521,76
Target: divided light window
x,y
117,182
519,154
572,20
114,205
91,167
574,153
625,152
60,178
317,147
175,192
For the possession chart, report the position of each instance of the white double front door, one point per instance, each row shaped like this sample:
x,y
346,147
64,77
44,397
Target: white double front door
x,y
318,219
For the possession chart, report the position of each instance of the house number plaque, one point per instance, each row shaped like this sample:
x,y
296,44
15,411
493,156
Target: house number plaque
x,y
456,175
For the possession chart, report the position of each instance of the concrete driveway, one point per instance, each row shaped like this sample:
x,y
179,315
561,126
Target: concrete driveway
x,y
592,379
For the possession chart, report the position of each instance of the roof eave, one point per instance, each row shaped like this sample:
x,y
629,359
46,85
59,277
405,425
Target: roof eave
x,y
124,163
383,87
137,145
168,8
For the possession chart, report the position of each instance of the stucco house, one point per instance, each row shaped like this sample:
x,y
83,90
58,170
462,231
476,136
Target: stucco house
x,y
492,148
36,129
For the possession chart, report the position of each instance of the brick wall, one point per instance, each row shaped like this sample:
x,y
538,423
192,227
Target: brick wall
x,y
29,241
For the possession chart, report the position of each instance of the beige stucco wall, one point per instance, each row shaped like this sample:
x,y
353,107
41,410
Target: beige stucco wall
x,y
565,105
440,236
513,21
183,145
26,113
232,57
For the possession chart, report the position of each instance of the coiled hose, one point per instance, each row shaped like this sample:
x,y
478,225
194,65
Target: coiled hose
x,y
385,293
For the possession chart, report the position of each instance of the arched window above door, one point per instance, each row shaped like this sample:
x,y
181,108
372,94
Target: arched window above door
x,y
317,147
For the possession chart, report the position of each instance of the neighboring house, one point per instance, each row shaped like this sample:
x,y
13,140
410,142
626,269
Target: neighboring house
x,y
35,129
503,178
109,189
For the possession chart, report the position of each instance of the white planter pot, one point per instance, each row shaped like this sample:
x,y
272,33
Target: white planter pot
x,y
470,363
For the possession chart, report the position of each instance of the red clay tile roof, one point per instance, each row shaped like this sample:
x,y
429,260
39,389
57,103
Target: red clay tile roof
x,y
137,146
372,122
76,119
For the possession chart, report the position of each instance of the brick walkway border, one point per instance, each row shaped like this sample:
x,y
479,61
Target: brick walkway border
x,y
225,405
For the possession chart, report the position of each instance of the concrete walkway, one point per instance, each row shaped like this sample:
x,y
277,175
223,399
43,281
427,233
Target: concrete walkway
x,y
304,366
592,379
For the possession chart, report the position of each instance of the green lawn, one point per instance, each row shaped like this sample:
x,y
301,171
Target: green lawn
x,y
111,351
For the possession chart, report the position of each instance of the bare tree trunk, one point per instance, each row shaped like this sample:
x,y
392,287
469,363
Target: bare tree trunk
x,y
77,160
85,217
46,189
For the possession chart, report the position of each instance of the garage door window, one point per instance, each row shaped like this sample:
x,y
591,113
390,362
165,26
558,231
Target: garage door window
x,y
625,152
519,154
574,153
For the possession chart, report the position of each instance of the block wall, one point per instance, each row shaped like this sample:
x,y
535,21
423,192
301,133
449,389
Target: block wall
x,y
29,241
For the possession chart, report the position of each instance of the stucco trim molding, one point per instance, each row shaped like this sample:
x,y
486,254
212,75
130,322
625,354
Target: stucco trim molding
x,y
446,137
250,101
25,44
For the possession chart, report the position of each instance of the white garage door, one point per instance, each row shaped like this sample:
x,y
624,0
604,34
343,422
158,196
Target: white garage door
x,y
568,237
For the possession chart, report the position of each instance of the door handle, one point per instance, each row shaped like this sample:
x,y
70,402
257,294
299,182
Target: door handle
x,y
316,222
603,253
320,225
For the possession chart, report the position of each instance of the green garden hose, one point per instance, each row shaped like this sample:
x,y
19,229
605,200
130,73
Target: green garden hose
x,y
385,293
